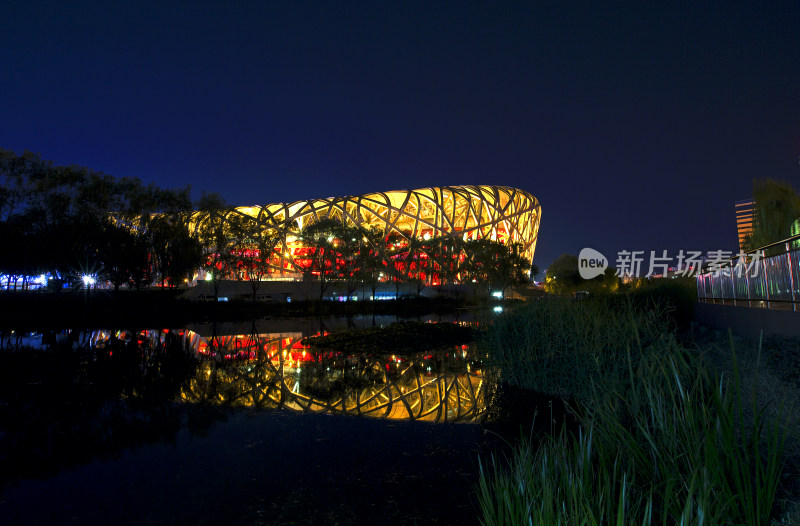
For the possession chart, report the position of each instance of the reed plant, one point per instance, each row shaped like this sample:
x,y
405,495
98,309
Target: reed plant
x,y
559,346
673,443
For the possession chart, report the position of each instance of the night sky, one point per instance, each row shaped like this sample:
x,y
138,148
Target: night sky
x,y
636,126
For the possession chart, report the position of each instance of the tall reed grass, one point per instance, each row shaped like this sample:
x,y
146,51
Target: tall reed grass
x,y
670,444
559,346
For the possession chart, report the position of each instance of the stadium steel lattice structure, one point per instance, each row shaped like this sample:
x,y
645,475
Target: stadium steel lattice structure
x,y
498,213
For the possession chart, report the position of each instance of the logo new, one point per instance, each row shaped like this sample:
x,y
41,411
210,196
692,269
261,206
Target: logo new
x,y
591,263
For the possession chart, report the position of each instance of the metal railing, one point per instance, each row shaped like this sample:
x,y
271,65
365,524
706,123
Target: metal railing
x,y
756,280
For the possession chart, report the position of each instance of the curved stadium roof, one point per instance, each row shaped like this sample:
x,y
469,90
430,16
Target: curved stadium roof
x,y
471,212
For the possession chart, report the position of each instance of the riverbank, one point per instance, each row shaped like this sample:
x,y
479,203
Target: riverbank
x,y
165,308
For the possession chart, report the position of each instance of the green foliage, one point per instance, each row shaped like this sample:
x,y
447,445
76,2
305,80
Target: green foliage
x,y
678,295
670,444
563,278
777,208
497,265
252,250
331,251
216,236
357,255
69,221
560,346
562,275
372,258
557,482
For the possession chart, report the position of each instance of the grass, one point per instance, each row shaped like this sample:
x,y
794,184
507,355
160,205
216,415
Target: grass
x,y
559,346
663,439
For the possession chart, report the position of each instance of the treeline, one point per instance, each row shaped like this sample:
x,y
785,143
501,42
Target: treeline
x,y
776,213
67,222
358,257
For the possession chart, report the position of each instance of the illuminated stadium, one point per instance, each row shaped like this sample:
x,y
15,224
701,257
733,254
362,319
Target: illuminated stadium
x,y
498,213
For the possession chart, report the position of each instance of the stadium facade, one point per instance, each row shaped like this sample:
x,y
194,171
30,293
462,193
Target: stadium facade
x,y
499,213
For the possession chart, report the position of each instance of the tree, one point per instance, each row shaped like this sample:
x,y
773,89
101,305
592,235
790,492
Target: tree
x,y
253,248
124,255
373,257
215,236
442,260
777,208
510,268
320,242
414,260
396,266
174,250
349,246
562,275
15,179
159,220
496,265
69,221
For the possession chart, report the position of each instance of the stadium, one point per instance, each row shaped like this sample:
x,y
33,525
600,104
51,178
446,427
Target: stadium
x,y
498,213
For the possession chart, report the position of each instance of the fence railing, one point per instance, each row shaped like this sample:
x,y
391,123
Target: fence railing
x,y
755,279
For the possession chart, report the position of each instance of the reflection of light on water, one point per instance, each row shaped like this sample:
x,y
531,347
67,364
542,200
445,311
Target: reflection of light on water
x,y
498,309
411,392
271,370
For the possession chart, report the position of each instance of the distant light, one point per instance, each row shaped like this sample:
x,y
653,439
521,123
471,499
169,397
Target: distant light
x,y
498,309
88,280
222,298
427,236
497,294
209,277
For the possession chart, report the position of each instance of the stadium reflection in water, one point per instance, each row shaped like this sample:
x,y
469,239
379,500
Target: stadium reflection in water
x,y
275,370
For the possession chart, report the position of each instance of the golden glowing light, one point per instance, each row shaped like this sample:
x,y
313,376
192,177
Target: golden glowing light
x,y
499,213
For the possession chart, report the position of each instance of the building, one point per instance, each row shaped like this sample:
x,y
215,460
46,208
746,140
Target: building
x,y
745,210
498,213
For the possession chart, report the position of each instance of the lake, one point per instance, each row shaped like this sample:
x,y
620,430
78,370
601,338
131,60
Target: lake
x,y
240,423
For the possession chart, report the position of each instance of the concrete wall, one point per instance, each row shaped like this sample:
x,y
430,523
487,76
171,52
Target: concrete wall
x,y
749,321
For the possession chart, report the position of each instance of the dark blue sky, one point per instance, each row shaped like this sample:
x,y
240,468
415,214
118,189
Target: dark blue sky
x,y
635,126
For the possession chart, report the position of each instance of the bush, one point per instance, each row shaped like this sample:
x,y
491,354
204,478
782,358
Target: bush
x,y
679,295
